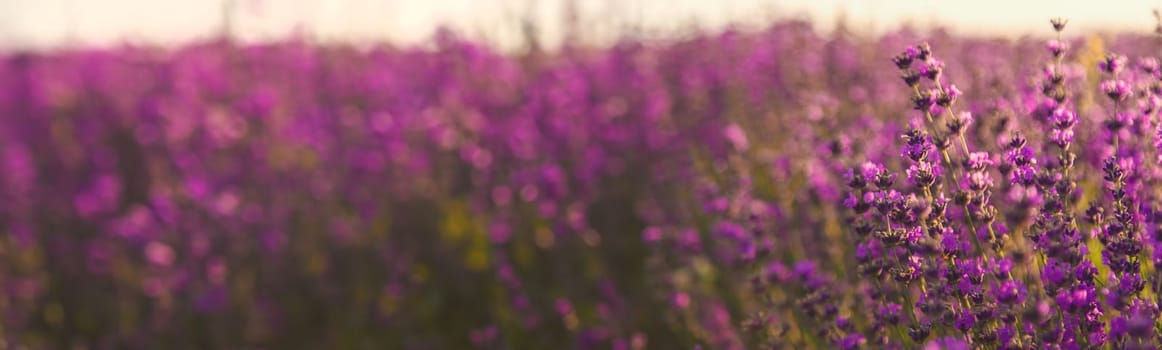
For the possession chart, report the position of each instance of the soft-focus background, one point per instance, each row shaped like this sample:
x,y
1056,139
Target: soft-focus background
x,y
591,174
38,23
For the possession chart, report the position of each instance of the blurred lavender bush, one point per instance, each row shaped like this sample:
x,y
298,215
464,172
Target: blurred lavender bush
x,y
775,189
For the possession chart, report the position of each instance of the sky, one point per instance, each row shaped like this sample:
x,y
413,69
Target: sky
x,y
48,23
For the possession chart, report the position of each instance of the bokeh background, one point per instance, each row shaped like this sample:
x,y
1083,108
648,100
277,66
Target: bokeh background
x,y
455,174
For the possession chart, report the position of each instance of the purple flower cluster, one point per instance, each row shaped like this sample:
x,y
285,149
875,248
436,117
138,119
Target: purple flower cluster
x,y
780,189
947,246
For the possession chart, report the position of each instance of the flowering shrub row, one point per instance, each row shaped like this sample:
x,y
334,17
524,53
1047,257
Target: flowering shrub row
x,y
776,189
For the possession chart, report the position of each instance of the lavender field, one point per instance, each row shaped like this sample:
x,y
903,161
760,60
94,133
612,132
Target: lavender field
x,y
773,189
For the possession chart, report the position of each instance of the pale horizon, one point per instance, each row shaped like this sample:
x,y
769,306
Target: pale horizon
x,y
54,23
